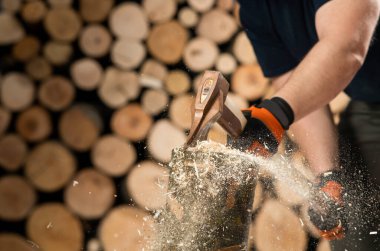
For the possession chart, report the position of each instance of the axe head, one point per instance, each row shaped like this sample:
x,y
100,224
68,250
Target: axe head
x,y
212,105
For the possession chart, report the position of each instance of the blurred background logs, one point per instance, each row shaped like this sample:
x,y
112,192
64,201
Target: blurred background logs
x,y
94,94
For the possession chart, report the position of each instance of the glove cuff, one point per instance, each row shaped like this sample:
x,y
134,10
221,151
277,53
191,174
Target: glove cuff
x,y
280,109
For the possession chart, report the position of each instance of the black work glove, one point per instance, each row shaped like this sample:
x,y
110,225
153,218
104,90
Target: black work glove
x,y
266,124
327,210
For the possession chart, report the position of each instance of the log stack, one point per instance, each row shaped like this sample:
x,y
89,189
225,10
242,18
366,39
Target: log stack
x,y
94,94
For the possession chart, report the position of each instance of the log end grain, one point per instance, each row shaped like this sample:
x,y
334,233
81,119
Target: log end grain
x,y
154,101
127,54
188,17
63,24
95,41
13,152
17,91
11,30
200,54
159,11
243,49
57,53
201,5
38,68
34,11
26,49
34,124
10,241
180,111
86,73
56,93
95,10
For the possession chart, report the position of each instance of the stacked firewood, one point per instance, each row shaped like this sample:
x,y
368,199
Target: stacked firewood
x,y
94,94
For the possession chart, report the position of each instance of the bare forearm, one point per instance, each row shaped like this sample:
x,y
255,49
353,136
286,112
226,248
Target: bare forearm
x,y
325,71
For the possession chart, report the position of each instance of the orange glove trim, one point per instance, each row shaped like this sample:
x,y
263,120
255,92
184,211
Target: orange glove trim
x,y
334,190
336,233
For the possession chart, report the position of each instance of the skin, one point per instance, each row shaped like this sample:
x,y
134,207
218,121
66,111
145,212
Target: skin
x,y
345,29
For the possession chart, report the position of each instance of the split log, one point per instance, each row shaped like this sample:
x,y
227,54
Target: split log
x,y
34,11
38,68
56,93
217,25
147,185
90,195
163,137
226,63
159,11
53,227
17,91
238,101
127,54
113,155
167,41
126,228
217,134
118,87
339,103
86,73
95,41
227,5
128,20
80,126
34,124
57,53
131,122
13,152
152,74
277,228
60,3
200,54
180,111
201,5
5,119
17,198
63,24
11,6
95,10
50,166
323,245
10,241
188,17
26,49
11,30
177,82
154,101
243,49
249,82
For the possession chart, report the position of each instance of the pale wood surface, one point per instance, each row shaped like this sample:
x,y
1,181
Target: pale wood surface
x,y
200,54
243,49
95,41
177,82
57,53
154,101
127,54
180,111
63,24
17,91
201,5
86,73
188,17
56,93
159,11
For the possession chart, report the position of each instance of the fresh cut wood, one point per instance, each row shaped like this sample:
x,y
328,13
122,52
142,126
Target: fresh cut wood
x,y
95,41
86,73
56,93
57,53
17,91
159,11
201,5
13,151
127,54
63,24
154,101
188,17
243,49
152,74
180,111
177,82
200,54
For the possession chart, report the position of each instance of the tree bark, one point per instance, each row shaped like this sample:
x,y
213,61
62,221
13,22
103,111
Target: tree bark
x,y
159,11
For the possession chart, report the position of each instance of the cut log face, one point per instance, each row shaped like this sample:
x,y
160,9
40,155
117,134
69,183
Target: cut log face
x,y
159,11
154,101
10,241
217,25
147,185
57,53
227,5
167,41
87,73
188,17
177,82
56,93
126,228
163,137
17,198
95,41
63,24
277,228
200,54
127,54
34,11
11,30
13,152
38,68
217,134
249,82
90,195
34,124
80,126
113,155
201,5
238,101
131,122
60,3
50,166
53,227
118,87
152,74
180,111
17,91
95,10
243,49
5,119
26,49
226,63
128,20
